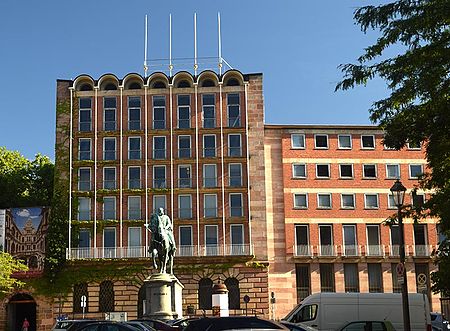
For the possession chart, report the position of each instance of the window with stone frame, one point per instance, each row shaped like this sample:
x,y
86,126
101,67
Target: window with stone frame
x,y
106,297
79,290
234,293
205,293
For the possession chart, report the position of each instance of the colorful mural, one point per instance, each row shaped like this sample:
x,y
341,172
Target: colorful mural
x,y
25,231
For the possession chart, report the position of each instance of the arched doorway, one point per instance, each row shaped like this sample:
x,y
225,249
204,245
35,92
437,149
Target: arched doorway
x,y
21,306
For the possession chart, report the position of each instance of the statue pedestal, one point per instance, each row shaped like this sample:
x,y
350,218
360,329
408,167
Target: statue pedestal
x,y
163,295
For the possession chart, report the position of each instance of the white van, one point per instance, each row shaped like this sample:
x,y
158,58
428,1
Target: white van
x,y
331,311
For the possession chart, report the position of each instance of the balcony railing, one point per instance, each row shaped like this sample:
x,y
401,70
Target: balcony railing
x,y
141,252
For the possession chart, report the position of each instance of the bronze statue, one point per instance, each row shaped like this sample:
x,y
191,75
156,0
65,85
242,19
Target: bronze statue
x,y
163,243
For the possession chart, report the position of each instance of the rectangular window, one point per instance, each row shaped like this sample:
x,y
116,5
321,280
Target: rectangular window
x,y
347,201
159,148
326,240
234,145
185,206
109,243
369,171
414,145
209,146
303,281
210,205
109,178
302,241
134,113
395,240
159,201
417,199
392,171
375,278
351,278
134,208
371,201
211,240
84,179
185,247
346,171
373,240
391,202
234,116
184,147
324,200
326,277
209,175
299,170
109,208
84,209
236,205
184,110
322,170
134,177
298,141
134,148
134,241
84,149
109,114
300,200
237,239
85,120
84,238
159,112
159,177
344,141
368,141
415,171
350,246
209,111
235,173
321,141
184,176
109,148
420,240
396,287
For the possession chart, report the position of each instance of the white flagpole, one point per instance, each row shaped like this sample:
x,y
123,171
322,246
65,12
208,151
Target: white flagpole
x,y
146,46
220,44
195,44
170,45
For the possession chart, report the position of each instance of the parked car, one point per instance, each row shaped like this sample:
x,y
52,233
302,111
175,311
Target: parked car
x,y
438,322
297,326
182,323
141,326
233,323
368,326
71,325
108,326
157,325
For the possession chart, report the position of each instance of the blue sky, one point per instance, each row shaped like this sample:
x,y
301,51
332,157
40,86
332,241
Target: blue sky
x,y
296,44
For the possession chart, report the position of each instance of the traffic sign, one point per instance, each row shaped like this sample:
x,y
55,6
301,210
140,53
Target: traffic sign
x,y
83,301
400,268
421,279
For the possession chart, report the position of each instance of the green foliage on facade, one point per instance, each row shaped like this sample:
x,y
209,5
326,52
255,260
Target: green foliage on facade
x,y
9,265
417,108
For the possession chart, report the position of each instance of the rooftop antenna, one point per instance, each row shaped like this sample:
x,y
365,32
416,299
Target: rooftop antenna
x,y
170,46
146,46
220,45
195,45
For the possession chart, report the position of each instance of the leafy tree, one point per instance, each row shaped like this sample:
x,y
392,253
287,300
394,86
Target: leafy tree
x,y
9,266
418,106
25,183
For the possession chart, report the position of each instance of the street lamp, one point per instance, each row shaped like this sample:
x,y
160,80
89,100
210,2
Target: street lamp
x,y
398,191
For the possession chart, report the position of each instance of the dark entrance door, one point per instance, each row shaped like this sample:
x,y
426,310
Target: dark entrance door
x,y
21,306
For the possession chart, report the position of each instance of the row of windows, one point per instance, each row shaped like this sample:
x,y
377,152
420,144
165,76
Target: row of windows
x,y
350,240
184,211
369,171
159,121
184,238
348,200
351,278
159,177
159,151
344,141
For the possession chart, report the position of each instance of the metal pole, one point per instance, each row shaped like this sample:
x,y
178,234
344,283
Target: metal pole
x,y
405,303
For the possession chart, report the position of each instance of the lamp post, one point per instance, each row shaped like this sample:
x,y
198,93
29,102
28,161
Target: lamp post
x,y
398,191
